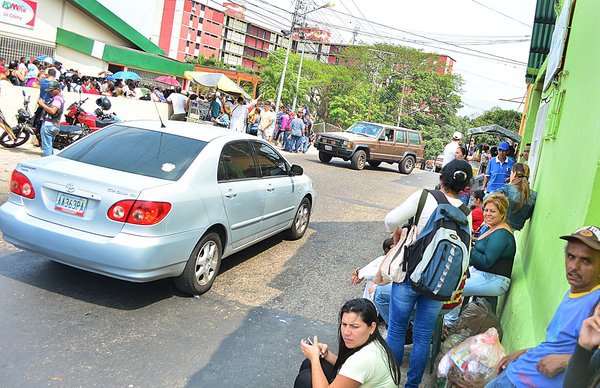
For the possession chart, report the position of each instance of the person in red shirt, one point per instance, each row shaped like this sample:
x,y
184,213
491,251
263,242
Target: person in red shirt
x,y
477,211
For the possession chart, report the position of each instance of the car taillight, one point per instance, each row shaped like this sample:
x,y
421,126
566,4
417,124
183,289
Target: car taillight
x,y
20,185
139,212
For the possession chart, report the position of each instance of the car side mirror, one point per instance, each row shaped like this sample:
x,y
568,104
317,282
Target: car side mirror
x,y
296,170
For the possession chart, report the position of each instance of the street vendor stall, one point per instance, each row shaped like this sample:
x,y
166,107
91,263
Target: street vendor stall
x,y
218,81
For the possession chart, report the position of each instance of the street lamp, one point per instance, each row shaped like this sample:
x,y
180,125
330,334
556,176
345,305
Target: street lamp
x,y
289,48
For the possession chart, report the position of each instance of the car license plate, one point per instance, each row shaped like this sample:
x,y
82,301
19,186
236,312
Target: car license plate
x,y
328,148
71,204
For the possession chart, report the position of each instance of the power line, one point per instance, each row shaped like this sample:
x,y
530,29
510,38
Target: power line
x,y
503,14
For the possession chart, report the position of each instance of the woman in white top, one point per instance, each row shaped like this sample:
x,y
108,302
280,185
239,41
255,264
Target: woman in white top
x,y
454,177
364,359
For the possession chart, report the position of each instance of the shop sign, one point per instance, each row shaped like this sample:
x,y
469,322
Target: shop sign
x,y
20,13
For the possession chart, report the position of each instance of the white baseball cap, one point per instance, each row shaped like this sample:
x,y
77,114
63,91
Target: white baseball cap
x,y
457,135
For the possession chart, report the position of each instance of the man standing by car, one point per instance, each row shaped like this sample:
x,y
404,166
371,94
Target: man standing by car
x,y
498,169
51,122
451,147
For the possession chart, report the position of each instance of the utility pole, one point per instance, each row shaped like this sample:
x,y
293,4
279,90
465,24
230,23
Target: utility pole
x,y
401,100
355,34
299,4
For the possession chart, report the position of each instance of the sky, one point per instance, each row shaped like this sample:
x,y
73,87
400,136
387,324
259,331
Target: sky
x,y
466,30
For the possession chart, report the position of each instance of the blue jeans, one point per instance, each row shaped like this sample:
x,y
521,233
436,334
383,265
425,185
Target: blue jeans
x,y
479,283
295,143
500,382
381,300
304,144
403,300
48,132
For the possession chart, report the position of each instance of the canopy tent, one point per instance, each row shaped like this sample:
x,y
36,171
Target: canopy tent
x,y
495,130
216,80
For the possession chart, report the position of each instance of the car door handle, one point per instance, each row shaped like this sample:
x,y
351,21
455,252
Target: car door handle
x,y
270,187
231,194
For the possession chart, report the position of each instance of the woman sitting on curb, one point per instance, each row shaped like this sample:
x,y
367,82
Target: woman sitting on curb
x,y
364,357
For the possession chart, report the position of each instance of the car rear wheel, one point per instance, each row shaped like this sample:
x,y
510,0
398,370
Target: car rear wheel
x,y
406,165
300,223
325,158
202,266
358,160
374,163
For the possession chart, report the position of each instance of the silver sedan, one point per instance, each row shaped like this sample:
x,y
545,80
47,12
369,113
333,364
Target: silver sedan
x,y
139,202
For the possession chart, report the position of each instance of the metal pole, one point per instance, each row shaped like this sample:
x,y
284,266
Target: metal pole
x,y
287,56
298,80
401,100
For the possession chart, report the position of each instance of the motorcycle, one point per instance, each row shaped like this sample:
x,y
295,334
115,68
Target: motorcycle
x,y
78,123
20,133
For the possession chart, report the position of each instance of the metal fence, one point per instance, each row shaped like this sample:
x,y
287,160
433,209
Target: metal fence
x,y
13,48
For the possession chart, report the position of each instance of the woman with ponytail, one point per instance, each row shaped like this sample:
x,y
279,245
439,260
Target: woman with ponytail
x,y
520,197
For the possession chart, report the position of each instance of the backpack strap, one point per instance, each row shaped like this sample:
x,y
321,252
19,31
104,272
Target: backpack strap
x,y
441,198
420,207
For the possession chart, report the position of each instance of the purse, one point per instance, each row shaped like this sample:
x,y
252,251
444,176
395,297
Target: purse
x,y
394,265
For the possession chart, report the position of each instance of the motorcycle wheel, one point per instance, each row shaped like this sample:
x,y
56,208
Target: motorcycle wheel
x,y
22,137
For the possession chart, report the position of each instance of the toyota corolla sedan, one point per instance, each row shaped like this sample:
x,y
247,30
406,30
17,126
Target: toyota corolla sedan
x,y
138,202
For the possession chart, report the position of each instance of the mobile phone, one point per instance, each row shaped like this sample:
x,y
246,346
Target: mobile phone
x,y
308,341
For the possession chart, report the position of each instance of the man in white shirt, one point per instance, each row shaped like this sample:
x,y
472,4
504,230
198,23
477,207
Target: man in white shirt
x,y
178,101
239,114
451,147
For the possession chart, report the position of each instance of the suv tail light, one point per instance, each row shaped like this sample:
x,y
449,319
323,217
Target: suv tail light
x,y
139,212
21,185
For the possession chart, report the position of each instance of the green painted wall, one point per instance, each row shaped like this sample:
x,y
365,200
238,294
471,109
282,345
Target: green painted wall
x,y
567,182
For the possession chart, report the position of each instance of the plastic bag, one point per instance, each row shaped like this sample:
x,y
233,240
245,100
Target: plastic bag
x,y
472,363
476,318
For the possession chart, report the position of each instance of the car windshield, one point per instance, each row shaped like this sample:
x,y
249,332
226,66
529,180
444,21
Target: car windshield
x,y
138,151
365,129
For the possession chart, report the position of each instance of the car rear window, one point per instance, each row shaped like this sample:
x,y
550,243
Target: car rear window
x,y
138,151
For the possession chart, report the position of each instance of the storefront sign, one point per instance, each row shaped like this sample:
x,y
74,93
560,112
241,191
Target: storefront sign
x,y
18,12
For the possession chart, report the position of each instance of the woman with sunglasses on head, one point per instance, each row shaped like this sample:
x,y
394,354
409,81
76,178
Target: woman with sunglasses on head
x,y
363,360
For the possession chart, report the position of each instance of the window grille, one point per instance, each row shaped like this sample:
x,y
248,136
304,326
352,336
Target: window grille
x,y
149,76
12,48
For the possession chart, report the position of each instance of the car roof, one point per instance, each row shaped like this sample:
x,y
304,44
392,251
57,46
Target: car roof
x,y
388,126
199,131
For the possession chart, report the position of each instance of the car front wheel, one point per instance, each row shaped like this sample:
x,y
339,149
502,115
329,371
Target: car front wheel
x,y
406,165
300,223
325,158
202,266
358,160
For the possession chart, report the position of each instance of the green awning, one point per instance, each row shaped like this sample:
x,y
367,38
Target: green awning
x,y
122,55
541,37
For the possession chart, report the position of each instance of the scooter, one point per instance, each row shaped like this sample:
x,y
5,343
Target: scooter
x,y
20,133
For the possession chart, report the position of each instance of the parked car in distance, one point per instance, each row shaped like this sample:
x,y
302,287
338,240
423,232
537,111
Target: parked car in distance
x,y
372,143
138,202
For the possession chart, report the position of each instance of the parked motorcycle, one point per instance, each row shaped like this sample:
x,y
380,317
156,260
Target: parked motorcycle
x,y
20,133
78,123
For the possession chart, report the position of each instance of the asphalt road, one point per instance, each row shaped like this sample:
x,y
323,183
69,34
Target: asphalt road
x,y
60,326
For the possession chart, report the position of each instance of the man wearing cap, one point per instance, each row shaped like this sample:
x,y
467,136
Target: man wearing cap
x,y
544,365
451,147
54,111
498,169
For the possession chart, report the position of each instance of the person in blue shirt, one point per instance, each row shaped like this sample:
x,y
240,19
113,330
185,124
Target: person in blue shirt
x,y
498,169
520,196
544,365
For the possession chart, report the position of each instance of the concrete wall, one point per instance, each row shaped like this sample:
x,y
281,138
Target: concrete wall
x,y
11,99
567,182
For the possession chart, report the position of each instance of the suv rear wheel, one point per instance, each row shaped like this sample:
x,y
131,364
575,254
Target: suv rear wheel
x,y
406,165
358,160
325,158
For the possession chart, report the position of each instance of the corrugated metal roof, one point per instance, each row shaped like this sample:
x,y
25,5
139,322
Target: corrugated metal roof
x,y
541,37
